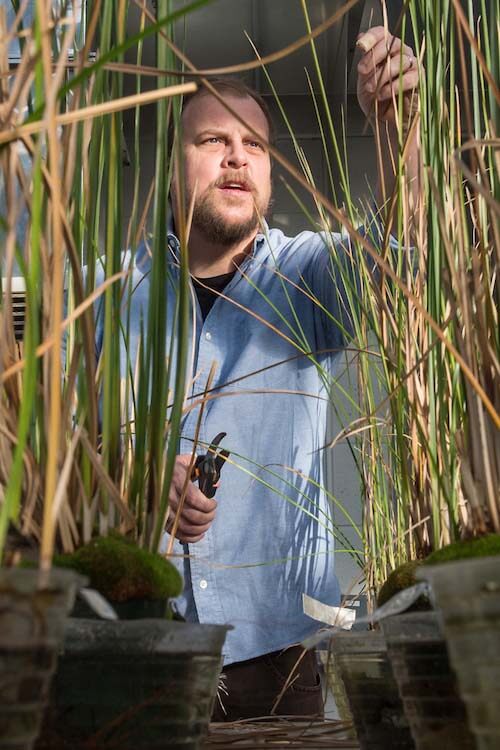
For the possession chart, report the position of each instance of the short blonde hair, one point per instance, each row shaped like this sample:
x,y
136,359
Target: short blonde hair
x,y
234,86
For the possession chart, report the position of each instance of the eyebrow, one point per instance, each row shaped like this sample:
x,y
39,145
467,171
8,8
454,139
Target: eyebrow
x,y
221,131
210,131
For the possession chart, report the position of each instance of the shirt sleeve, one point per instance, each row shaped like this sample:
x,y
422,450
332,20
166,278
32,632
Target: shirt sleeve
x,y
340,273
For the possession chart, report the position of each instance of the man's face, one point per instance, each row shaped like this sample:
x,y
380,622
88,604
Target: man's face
x,y
226,168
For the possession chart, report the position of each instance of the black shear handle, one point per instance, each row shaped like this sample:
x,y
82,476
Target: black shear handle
x,y
208,467
207,470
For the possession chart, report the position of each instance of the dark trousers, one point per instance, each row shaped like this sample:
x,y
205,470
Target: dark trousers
x,y
256,688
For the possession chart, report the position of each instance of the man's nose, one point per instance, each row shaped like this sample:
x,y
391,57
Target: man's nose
x,y
235,155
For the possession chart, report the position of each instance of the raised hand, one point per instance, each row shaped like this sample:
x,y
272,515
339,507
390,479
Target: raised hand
x,y
379,79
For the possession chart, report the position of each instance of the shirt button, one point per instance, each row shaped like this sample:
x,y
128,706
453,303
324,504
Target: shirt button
x,y
208,336
203,584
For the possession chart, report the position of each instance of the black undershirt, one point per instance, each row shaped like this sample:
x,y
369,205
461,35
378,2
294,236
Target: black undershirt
x,y
215,284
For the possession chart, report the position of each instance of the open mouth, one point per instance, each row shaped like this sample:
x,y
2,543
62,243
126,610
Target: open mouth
x,y
236,187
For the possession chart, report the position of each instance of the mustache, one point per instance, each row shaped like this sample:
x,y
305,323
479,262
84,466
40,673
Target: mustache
x,y
240,178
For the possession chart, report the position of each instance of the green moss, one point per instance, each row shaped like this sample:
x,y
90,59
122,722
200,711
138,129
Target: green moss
x,y
405,575
121,571
401,578
483,546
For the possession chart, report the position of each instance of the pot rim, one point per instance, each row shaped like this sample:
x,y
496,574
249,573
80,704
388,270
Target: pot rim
x,y
31,580
490,564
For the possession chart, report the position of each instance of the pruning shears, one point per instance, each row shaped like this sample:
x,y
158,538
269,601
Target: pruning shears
x,y
208,466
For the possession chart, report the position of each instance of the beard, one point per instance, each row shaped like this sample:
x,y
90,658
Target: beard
x,y
210,220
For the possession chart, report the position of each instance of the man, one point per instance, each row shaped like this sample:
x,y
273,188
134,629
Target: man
x,y
263,302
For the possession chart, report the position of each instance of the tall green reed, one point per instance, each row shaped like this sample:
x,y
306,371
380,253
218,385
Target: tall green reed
x,y
64,469
425,433
429,457
112,457
413,445
438,423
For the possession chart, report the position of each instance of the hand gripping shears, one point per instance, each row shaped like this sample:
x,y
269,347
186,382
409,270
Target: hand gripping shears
x,y
208,466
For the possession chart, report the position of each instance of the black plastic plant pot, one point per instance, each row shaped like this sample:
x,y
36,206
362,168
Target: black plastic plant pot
x,y
467,594
134,685
371,690
337,688
427,683
132,609
33,610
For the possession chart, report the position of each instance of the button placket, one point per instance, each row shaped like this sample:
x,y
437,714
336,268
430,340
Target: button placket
x,y
204,583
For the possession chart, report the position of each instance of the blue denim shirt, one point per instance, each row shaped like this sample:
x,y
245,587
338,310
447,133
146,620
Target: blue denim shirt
x,y
272,538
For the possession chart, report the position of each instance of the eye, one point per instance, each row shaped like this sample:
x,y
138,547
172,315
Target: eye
x,y
213,139
255,144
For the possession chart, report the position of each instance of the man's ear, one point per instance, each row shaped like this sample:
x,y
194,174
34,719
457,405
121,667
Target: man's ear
x,y
174,194
174,184
177,193
177,155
